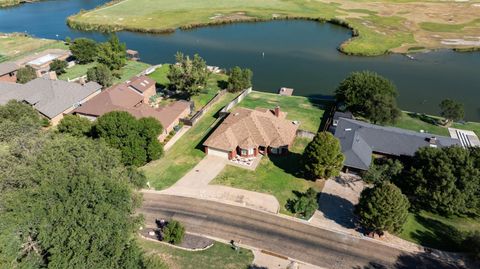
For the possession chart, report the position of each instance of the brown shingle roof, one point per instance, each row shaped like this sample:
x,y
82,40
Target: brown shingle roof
x,y
141,83
249,128
8,67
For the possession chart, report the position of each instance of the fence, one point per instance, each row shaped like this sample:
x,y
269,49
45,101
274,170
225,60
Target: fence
x,y
235,101
205,108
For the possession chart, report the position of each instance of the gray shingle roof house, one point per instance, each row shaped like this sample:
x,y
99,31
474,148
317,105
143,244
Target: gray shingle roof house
x,y
52,98
359,140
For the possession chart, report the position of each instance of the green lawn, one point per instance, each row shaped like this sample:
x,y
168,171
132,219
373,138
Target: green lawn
x,y
186,152
438,232
218,256
308,111
132,68
275,175
160,76
416,122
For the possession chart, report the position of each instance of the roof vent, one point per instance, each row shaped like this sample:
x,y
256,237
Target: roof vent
x,y
348,129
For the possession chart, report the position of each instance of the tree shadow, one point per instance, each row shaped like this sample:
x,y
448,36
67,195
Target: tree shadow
x,y
337,209
290,164
254,266
347,182
327,103
222,84
423,117
439,235
417,261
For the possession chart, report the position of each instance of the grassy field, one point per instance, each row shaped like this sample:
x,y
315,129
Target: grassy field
x,y
275,175
9,3
14,46
416,122
160,76
186,152
218,256
383,26
438,232
308,111
76,71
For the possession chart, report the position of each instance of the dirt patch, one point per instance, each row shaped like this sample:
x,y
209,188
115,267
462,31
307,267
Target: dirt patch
x,y
237,16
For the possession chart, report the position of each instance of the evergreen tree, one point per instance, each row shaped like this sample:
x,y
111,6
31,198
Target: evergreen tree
x,y
173,233
323,157
369,95
26,74
383,170
84,50
383,208
239,79
306,204
75,126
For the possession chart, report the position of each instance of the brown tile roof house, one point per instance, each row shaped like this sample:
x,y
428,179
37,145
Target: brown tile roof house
x,y
247,132
8,71
129,97
52,98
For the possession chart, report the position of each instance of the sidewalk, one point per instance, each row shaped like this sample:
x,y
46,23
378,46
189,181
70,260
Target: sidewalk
x,y
175,138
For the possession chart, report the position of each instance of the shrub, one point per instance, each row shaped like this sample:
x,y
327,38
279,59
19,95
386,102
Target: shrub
x,y
239,79
306,204
173,232
58,66
26,74
100,74
75,125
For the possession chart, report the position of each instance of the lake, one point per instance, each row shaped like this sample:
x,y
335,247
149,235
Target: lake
x,y
297,54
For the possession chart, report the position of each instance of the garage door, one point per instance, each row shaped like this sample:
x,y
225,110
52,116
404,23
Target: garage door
x,y
218,152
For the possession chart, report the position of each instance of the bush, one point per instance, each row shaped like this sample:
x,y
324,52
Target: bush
x,y
383,208
323,157
239,79
84,50
173,232
305,204
75,125
451,110
369,95
100,74
58,66
383,170
26,74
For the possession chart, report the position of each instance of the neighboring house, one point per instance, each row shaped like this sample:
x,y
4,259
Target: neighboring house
x,y
360,140
8,71
246,132
52,98
41,61
132,97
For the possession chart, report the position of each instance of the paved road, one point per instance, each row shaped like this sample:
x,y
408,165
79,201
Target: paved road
x,y
280,235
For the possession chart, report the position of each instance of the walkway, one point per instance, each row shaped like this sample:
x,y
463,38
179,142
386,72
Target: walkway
x,y
195,184
175,138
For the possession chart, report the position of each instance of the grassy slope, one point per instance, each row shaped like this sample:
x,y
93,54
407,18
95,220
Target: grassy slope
x,y
162,15
417,122
308,112
76,71
14,46
160,76
218,256
274,175
438,232
131,69
185,154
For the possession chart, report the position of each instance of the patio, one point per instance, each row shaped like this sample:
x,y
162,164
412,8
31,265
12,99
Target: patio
x,y
250,163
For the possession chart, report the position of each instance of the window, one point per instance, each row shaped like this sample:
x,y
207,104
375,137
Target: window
x,y
247,152
274,150
251,151
243,152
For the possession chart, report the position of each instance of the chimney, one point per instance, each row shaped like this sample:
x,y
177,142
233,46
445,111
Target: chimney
x,y
277,111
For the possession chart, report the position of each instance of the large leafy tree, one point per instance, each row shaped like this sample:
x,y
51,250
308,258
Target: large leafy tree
x,y
323,157
75,125
100,74
239,79
451,110
58,66
383,208
444,180
84,50
136,139
188,76
26,74
369,95
112,53
73,207
18,119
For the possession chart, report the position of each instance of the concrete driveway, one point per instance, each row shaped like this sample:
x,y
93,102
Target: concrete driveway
x,y
195,184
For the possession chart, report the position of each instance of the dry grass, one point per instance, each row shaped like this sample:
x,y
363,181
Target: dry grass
x,y
383,26
14,46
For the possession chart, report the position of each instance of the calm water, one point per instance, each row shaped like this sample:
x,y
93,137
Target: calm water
x,y
297,54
